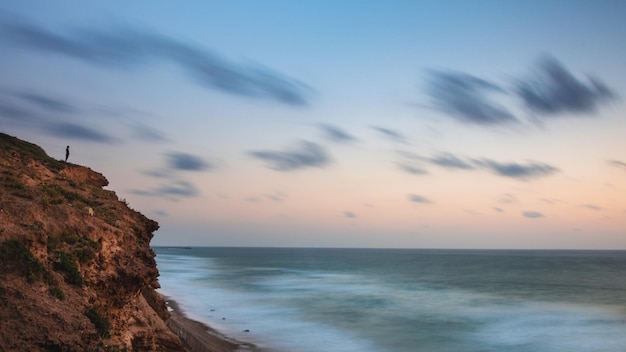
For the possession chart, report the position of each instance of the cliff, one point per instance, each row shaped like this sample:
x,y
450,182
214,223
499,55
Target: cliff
x,y
76,269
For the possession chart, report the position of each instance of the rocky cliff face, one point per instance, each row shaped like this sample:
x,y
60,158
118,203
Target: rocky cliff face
x,y
76,269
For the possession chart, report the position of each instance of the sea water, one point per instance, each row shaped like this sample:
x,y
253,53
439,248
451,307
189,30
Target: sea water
x,y
377,300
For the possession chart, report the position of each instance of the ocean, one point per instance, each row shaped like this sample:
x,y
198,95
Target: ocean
x,y
409,300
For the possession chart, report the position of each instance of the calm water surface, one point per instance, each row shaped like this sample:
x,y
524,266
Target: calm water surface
x,y
362,300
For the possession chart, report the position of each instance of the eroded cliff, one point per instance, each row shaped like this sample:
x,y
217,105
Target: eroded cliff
x,y
76,269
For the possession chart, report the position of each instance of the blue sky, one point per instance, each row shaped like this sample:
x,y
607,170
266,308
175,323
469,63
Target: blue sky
x,y
456,124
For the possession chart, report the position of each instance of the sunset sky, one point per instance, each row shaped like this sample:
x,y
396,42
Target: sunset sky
x,y
427,124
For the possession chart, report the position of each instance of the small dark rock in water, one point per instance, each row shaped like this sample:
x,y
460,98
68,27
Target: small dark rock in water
x,y
212,310
246,330
223,318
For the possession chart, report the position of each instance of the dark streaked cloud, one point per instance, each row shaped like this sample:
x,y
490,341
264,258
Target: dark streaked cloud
x,y
75,131
532,214
173,191
592,207
336,134
464,97
349,215
618,164
46,102
554,90
390,134
186,162
499,210
306,154
419,199
127,48
412,169
526,171
147,133
450,161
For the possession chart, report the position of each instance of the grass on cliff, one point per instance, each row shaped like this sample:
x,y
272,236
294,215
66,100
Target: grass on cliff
x,y
102,324
66,262
15,257
14,147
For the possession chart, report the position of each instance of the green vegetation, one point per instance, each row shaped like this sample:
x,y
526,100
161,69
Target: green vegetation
x,y
15,185
83,248
21,149
15,257
54,194
66,262
101,323
57,292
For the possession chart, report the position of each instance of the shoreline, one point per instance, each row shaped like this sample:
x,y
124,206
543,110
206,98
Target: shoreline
x,y
199,337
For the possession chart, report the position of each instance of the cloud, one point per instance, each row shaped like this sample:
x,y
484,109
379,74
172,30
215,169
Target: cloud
x,y
450,161
335,134
171,191
592,207
147,133
618,164
186,162
528,171
306,154
464,97
391,135
499,210
554,90
75,131
532,214
9,110
419,199
126,48
46,103
349,214
507,198
412,169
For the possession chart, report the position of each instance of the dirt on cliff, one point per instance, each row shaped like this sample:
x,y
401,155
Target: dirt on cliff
x,y
76,269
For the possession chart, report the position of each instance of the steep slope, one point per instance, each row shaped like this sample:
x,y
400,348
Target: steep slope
x,y
76,269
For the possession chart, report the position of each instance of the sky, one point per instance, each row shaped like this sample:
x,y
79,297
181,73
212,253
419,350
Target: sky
x,y
314,123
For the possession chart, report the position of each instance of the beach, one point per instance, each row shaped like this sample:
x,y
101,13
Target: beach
x,y
199,337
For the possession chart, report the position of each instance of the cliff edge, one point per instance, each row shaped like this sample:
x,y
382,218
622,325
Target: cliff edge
x,y
76,269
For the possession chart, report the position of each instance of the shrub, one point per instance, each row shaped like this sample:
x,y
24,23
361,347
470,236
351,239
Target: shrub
x,y
67,262
57,292
101,323
14,256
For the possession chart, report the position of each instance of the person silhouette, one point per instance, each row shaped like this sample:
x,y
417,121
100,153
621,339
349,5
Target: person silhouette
x,y
67,153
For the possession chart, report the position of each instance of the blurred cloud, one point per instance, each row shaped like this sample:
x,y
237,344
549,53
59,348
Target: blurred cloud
x,y
464,97
528,171
125,48
412,169
450,161
147,133
499,210
9,110
186,162
553,90
75,131
336,134
532,214
172,191
304,155
507,198
592,207
618,164
419,199
349,214
391,135
46,103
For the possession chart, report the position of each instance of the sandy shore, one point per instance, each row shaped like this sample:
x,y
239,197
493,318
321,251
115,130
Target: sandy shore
x,y
199,337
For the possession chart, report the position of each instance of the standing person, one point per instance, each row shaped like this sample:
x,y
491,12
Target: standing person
x,y
67,153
